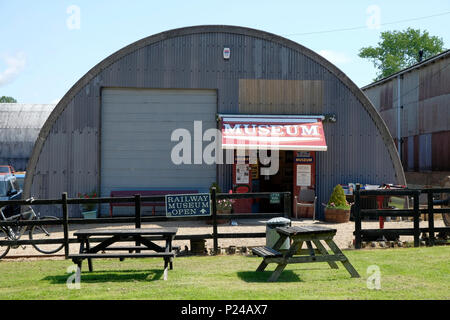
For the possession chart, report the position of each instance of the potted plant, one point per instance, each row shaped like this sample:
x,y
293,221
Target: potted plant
x,y
88,210
338,209
223,206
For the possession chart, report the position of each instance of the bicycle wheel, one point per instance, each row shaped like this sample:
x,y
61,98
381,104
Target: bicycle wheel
x,y
446,218
47,231
3,249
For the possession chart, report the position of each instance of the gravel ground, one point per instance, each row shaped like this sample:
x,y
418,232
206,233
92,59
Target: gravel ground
x,y
343,238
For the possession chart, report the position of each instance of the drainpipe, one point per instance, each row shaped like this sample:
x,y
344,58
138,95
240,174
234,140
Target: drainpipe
x,y
399,106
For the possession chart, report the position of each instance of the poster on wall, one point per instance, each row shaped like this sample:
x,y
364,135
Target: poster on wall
x,y
242,174
254,171
303,175
303,157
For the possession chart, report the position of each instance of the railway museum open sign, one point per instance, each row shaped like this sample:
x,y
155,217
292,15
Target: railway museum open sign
x,y
187,205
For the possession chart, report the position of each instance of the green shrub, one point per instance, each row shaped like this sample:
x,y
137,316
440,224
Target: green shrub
x,y
214,184
337,199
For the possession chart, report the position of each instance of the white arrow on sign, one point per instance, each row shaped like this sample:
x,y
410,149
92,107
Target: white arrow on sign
x,y
203,211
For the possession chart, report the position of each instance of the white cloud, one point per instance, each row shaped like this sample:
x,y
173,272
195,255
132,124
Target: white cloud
x,y
55,101
335,57
14,66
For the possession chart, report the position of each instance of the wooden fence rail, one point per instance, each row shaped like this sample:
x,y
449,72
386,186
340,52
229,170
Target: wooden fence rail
x,y
138,219
414,212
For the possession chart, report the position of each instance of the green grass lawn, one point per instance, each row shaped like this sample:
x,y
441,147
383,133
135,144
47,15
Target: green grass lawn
x,y
413,273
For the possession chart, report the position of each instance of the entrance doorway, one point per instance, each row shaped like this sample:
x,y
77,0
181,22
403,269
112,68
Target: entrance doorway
x,y
296,171
282,181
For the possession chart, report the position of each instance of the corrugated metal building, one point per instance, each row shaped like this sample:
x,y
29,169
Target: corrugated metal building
x,y
419,120
112,130
19,127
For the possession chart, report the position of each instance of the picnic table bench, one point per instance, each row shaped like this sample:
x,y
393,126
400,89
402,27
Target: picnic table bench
x,y
298,236
144,239
143,193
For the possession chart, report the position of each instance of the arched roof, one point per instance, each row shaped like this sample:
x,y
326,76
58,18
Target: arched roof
x,y
19,127
91,74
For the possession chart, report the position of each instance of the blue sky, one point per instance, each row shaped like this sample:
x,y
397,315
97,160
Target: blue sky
x,y
42,55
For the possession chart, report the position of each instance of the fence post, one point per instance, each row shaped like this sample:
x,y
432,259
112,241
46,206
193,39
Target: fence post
x,y
66,224
357,218
431,218
214,214
137,210
137,215
287,205
416,219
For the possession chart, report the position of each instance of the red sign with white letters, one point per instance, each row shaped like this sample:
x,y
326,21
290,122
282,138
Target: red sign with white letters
x,y
273,133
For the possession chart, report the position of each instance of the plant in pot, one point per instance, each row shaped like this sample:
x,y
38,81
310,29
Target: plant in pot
x,y
223,206
88,210
338,209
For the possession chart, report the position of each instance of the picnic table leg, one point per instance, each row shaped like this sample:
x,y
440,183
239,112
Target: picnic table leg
x,y
262,266
324,252
138,243
279,269
276,274
78,262
166,264
312,254
168,249
89,259
346,263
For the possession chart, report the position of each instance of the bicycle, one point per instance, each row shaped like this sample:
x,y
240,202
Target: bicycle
x,y
36,232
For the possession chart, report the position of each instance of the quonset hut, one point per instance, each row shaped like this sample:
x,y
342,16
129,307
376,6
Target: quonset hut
x,y
19,127
113,129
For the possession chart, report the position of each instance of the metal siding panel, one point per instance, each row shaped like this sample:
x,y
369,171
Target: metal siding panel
x,y
435,114
412,116
390,118
434,79
411,153
410,97
416,153
425,152
441,151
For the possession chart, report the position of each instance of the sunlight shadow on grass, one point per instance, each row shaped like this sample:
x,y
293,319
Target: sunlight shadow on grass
x,y
253,276
110,276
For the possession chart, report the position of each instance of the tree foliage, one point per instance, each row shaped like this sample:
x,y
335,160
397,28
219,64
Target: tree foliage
x,y
398,50
5,99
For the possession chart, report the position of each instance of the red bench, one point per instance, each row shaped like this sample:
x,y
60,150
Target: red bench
x,y
143,193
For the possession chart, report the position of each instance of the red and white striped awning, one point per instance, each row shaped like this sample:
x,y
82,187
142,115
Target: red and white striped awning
x,y
273,132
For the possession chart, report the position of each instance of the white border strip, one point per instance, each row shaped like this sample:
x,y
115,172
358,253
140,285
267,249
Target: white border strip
x,y
274,147
271,116
272,120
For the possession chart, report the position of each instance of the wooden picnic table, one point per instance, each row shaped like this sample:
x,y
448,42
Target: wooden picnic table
x,y
295,254
143,239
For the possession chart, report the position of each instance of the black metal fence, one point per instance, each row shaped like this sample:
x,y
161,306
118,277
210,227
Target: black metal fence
x,y
415,212
64,202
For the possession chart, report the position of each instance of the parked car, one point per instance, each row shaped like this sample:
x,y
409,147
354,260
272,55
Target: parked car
x,y
6,169
10,190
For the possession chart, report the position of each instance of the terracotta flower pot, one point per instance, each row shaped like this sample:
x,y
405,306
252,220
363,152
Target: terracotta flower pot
x,y
337,215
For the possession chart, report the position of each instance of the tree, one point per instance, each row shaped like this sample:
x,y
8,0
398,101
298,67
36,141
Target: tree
x,y
398,50
4,99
